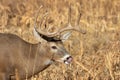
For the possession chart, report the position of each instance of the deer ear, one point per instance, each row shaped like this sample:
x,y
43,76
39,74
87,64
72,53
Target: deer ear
x,y
65,36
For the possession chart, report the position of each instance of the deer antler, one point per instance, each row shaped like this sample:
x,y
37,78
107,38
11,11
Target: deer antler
x,y
69,27
59,31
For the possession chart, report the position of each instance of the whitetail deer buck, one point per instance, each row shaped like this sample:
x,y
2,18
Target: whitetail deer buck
x,y
30,59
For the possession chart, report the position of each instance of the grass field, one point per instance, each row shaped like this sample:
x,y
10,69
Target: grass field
x,y
96,54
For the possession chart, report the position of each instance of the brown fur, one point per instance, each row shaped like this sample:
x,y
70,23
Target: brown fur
x,y
14,54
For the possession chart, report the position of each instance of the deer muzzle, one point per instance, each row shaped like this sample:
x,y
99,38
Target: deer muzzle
x,y
67,59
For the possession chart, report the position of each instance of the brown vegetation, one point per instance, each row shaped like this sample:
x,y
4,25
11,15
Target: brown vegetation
x,y
96,54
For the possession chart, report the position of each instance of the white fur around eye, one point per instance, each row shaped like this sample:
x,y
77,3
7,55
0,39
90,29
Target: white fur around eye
x,y
54,48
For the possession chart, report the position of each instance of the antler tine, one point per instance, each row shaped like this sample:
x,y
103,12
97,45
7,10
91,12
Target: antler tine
x,y
69,15
69,27
35,25
43,17
78,20
40,31
79,17
36,17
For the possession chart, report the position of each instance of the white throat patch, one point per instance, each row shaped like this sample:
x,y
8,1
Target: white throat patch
x,y
47,62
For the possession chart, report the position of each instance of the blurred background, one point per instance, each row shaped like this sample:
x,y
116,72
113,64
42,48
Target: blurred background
x,y
96,54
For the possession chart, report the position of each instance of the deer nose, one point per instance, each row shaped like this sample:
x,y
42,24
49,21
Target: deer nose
x,y
68,60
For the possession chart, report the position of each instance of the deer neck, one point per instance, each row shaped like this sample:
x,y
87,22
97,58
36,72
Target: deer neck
x,y
37,59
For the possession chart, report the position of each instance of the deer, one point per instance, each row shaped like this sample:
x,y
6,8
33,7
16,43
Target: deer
x,y
30,59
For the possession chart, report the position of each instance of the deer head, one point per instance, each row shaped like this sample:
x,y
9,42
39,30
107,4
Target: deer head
x,y
54,40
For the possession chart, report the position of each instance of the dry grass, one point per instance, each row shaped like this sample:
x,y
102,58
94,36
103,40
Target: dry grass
x,y
96,54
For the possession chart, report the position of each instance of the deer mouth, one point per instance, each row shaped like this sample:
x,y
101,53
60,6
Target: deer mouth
x,y
68,60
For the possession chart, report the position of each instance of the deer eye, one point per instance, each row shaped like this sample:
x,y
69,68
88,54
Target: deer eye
x,y
54,47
